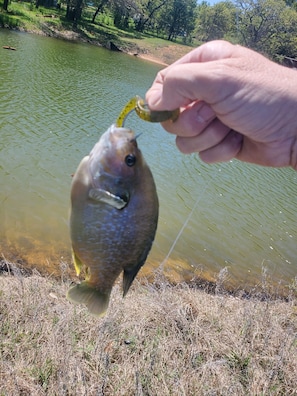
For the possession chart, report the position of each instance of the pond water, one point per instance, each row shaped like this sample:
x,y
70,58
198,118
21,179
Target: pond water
x,y
56,99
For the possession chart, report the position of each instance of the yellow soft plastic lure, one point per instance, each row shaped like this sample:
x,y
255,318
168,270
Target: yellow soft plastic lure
x,y
142,110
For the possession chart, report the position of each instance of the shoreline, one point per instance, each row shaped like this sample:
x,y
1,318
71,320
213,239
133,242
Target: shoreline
x,y
149,58
165,59
210,285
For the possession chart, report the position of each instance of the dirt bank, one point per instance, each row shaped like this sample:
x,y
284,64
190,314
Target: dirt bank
x,y
157,51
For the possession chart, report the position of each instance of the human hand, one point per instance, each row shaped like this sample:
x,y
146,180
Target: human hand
x,y
234,103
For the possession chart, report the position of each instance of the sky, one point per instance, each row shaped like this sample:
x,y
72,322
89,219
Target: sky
x,y
212,2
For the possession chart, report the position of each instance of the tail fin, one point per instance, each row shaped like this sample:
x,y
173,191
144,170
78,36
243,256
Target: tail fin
x,y
95,300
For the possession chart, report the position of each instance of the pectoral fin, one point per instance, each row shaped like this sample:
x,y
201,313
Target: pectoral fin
x,y
78,265
99,195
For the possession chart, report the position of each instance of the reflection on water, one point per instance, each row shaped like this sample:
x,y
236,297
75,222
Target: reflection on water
x,y
56,99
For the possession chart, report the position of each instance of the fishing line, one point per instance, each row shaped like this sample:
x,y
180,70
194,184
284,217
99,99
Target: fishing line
x,y
161,266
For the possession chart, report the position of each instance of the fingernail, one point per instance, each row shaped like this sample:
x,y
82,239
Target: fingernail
x,y
205,114
152,98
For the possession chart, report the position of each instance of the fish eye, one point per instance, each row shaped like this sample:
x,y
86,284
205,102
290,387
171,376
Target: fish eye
x,y
130,160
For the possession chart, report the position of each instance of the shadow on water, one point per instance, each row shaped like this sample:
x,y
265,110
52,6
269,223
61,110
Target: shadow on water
x,y
56,99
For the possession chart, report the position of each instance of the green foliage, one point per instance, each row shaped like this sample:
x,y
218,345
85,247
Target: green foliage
x,y
268,26
216,22
43,372
177,18
11,21
259,21
23,15
17,16
147,12
285,43
123,17
106,19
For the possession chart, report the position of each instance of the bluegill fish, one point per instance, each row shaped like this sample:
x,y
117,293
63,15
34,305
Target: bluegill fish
x,y
114,215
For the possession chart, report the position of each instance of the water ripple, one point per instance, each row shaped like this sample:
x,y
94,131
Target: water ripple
x,y
57,98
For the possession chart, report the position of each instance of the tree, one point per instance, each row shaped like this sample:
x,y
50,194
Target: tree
x,y
74,11
5,5
147,10
285,43
123,12
269,26
259,21
99,8
178,18
216,22
45,3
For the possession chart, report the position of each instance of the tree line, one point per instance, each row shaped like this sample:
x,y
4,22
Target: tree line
x,y
165,18
269,26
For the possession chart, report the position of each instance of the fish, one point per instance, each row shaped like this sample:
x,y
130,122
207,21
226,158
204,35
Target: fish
x,y
113,217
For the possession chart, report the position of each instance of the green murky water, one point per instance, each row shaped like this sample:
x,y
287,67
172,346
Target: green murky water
x,y
56,99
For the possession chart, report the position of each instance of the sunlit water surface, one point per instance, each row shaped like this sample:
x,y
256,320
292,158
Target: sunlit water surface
x,y
56,99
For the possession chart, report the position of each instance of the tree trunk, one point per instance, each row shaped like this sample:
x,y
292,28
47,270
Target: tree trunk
x,y
5,5
99,8
140,24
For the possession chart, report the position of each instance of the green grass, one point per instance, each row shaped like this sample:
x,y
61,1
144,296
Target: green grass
x,y
25,16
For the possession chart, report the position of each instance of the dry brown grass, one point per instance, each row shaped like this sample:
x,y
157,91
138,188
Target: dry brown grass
x,y
159,340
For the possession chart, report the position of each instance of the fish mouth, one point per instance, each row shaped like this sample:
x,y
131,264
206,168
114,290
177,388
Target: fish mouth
x,y
117,134
136,137
114,143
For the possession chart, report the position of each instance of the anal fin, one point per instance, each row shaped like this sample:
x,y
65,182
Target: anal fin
x,y
95,300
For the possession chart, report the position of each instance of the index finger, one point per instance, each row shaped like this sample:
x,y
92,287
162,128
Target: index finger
x,y
173,86
211,51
